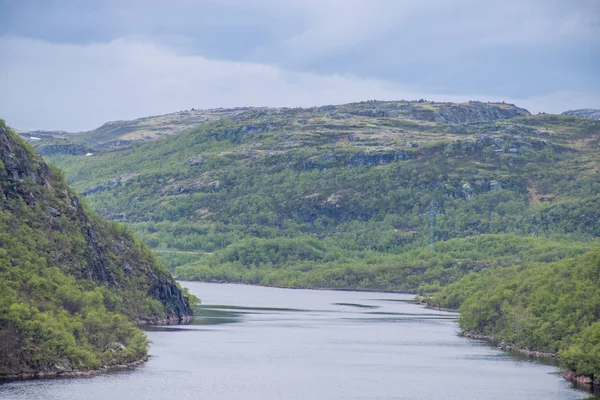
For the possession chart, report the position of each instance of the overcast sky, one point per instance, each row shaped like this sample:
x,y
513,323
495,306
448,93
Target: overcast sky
x,y
75,64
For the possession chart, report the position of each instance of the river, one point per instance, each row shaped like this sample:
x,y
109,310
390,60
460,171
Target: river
x,y
251,342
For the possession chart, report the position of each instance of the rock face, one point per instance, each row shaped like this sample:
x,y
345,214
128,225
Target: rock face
x,y
590,113
26,172
448,113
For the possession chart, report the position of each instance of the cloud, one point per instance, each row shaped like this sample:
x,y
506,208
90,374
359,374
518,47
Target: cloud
x,y
73,65
79,87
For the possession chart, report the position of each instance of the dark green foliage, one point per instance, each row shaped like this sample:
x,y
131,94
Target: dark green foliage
x,y
310,263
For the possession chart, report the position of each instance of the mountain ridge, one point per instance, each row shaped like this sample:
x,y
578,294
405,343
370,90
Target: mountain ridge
x,y
124,132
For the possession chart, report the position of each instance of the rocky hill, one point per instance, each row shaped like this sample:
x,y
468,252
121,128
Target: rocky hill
x,y
358,177
72,286
590,113
122,133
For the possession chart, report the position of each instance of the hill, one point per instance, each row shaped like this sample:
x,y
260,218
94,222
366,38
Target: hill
x,y
590,113
357,177
72,287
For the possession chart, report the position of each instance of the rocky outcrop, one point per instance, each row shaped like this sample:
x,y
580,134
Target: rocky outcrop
x,y
380,157
448,113
111,184
176,304
584,381
20,163
66,371
590,113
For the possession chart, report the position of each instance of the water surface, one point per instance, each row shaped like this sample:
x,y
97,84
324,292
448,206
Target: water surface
x,y
264,343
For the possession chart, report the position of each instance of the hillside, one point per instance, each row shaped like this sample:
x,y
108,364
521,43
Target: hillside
x,y
122,133
357,177
72,286
340,196
590,113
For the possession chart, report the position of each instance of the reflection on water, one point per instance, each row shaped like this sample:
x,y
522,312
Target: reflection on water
x,y
355,305
265,343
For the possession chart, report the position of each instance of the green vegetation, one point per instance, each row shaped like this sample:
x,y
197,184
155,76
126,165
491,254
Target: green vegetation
x,y
551,306
310,263
353,182
335,197
72,286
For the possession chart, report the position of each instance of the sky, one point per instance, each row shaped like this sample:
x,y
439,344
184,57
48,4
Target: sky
x,y
75,64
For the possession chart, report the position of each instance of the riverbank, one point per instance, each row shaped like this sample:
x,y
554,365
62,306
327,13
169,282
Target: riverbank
x,y
502,345
65,372
583,381
593,385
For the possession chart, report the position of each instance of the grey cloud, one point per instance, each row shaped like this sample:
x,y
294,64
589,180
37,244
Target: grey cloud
x,y
542,52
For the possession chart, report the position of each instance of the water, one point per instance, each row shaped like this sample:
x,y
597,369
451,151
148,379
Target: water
x,y
266,343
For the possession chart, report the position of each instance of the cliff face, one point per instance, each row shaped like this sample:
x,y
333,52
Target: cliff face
x,y
77,276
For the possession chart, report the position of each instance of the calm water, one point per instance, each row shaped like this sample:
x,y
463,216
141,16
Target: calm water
x,y
264,343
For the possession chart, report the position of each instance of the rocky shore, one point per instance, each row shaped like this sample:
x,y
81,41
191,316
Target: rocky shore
x,y
582,380
171,320
502,345
65,372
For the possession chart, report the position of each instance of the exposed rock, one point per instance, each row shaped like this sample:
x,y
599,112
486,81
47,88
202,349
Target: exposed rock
x,y
116,346
452,113
590,113
197,161
62,148
379,157
582,380
105,187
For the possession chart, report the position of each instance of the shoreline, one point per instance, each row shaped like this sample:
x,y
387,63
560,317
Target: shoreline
x,y
71,374
581,381
172,320
502,345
